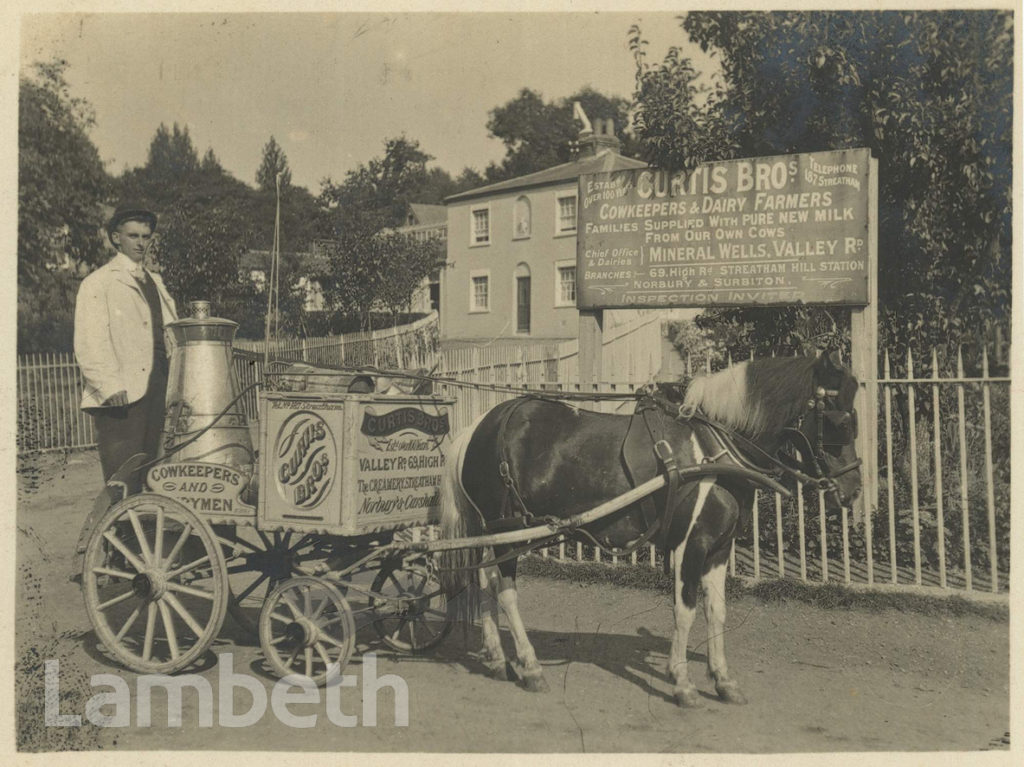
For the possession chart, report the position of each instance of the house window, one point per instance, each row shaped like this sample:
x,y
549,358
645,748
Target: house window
x,y
480,292
480,233
565,215
521,223
313,295
565,284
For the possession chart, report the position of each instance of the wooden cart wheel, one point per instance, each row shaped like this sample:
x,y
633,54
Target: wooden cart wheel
x,y
306,627
257,562
155,584
411,612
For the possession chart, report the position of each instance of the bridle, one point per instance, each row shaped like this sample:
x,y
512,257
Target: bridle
x,y
833,427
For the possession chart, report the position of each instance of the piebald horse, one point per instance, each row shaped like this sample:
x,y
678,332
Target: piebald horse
x,y
530,460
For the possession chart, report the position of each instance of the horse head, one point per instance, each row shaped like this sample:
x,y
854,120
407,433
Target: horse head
x,y
822,439
790,413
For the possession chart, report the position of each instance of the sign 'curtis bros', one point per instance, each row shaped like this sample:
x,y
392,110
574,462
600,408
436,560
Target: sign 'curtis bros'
x,y
763,231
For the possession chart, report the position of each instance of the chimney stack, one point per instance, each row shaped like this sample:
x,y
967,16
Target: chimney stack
x,y
596,138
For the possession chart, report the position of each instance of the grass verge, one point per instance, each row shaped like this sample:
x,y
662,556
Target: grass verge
x,y
829,596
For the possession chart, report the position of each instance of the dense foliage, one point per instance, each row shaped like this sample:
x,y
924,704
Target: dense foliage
x,y
61,187
538,134
930,93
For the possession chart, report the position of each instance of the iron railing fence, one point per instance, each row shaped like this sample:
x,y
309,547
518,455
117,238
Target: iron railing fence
x,y
943,512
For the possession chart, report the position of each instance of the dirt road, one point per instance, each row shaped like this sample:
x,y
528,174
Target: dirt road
x,y
817,680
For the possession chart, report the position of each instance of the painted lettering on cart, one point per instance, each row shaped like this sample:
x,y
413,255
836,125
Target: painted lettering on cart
x,y
385,506
403,419
305,457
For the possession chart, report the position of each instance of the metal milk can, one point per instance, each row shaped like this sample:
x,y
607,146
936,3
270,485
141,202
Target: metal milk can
x,y
202,383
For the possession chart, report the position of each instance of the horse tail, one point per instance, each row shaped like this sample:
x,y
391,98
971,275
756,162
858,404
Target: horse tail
x,y
460,518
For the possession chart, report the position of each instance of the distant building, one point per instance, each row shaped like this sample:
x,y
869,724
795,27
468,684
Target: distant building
x,y
255,266
427,222
511,267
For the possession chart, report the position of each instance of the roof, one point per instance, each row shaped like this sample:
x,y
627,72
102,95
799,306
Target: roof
x,y
427,215
603,162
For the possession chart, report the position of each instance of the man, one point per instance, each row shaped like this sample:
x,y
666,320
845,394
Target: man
x,y
120,315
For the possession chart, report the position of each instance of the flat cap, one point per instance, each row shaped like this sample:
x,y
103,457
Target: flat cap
x,y
131,211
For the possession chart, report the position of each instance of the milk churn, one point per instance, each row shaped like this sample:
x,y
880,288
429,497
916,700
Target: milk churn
x,y
201,384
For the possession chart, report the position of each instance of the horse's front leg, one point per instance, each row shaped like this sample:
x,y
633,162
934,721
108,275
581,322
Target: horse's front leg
x,y
713,584
685,605
686,571
529,668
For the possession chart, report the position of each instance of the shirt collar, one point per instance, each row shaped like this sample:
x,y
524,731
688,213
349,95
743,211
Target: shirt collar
x,y
121,261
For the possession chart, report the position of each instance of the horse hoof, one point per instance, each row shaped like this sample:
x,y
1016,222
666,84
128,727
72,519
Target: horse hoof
x,y
498,670
687,698
535,683
729,692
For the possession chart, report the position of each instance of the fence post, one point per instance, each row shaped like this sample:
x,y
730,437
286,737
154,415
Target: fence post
x,y
964,504
989,474
915,510
937,454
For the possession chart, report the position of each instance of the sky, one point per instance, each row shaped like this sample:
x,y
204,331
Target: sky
x,y
330,87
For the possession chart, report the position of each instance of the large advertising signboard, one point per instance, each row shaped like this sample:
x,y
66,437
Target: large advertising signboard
x,y
763,231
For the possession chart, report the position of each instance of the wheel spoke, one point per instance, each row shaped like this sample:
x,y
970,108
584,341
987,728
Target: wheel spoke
x,y
117,600
291,658
266,541
309,661
251,587
128,623
336,642
179,608
426,625
302,541
307,601
133,560
291,605
323,654
190,566
278,617
401,625
158,546
172,637
182,589
321,607
147,645
186,531
140,535
113,573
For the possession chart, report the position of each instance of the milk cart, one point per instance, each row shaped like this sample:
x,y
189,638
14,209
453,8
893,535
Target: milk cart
x,y
296,539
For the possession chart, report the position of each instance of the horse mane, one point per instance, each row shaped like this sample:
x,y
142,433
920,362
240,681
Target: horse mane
x,y
757,397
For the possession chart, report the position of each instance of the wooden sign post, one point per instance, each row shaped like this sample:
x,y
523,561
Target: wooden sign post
x,y
864,365
590,348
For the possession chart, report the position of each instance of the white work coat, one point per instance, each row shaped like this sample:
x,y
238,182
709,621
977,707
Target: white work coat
x,y
113,337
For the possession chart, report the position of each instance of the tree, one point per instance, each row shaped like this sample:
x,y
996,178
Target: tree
x,y
539,134
274,162
377,195
370,268
930,93
61,187
61,180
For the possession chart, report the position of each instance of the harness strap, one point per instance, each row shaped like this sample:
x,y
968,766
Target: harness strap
x,y
667,458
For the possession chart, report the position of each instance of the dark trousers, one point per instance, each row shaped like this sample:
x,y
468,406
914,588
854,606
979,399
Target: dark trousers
x,y
121,432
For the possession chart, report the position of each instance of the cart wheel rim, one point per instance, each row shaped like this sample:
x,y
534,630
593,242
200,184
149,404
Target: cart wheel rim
x,y
154,584
307,628
411,612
